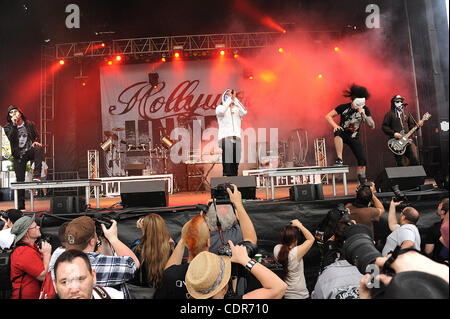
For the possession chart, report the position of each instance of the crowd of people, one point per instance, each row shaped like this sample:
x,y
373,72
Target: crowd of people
x,y
214,256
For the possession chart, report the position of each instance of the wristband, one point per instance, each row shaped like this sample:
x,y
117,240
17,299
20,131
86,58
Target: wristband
x,y
250,264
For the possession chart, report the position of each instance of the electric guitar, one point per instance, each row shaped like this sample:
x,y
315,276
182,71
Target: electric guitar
x,y
398,146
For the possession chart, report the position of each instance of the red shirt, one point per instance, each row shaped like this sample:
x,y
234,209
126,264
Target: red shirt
x,y
26,259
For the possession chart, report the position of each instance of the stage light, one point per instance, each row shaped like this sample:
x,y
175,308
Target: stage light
x,y
176,55
110,62
61,62
280,50
103,45
83,83
250,77
222,52
336,49
235,55
118,58
320,76
163,59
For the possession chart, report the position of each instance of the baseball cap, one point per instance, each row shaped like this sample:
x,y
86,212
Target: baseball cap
x,y
78,232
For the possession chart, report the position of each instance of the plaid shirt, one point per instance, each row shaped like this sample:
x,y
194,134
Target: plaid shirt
x,y
113,270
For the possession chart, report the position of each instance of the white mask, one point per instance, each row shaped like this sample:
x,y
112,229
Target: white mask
x,y
398,105
359,103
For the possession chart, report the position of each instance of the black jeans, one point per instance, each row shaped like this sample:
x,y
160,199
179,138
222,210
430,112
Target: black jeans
x,y
231,155
20,167
410,154
355,145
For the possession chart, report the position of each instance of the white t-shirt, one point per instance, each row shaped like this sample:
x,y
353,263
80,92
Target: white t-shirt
x,y
295,279
6,238
399,235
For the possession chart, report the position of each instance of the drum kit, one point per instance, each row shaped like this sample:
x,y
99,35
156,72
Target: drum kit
x,y
157,154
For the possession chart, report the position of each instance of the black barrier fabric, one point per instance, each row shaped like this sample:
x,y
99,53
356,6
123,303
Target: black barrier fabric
x,y
268,218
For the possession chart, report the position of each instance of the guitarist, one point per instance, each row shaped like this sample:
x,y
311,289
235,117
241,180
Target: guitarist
x,y
400,119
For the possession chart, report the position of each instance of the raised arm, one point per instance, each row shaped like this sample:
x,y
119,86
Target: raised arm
x,y
120,248
392,217
306,246
273,287
177,255
248,230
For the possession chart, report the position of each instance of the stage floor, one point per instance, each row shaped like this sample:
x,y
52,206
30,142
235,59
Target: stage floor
x,y
180,198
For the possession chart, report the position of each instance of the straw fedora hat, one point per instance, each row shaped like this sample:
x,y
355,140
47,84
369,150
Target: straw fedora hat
x,y
207,274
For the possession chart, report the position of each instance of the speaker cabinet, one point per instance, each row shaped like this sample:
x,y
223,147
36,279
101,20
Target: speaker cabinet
x,y
406,177
6,194
245,184
67,204
144,194
306,192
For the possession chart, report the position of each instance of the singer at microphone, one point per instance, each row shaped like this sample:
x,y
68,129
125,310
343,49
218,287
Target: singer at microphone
x,y
229,116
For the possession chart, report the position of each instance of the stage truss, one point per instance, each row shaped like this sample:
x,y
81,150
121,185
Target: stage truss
x,y
146,46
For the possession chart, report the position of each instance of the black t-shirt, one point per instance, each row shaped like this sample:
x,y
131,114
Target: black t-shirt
x,y
432,236
173,283
351,119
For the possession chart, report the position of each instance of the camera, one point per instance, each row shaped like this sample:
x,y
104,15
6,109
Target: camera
x,y
4,214
220,193
251,248
98,222
400,197
328,225
44,237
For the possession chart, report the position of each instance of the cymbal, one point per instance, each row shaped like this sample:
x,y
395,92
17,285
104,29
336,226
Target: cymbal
x,y
117,129
111,135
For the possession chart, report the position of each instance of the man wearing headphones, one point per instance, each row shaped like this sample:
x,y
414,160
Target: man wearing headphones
x,y
361,210
229,115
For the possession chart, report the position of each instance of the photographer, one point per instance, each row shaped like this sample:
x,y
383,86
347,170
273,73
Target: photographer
x,y
404,232
416,277
339,279
29,263
110,270
404,274
360,210
290,256
9,217
229,221
204,280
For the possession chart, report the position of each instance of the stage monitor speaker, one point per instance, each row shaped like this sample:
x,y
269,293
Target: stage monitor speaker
x,y
6,194
306,192
67,204
245,184
406,177
144,194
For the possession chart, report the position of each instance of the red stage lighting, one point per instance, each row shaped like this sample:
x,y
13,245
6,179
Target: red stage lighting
x,y
320,76
83,83
177,55
250,77
103,45
110,62
61,62
336,49
235,55
280,50
222,52
118,58
163,59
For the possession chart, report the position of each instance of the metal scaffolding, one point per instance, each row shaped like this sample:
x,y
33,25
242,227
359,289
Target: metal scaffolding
x,y
93,166
320,153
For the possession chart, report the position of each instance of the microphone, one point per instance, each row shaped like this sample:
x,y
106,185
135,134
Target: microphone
x,y
405,104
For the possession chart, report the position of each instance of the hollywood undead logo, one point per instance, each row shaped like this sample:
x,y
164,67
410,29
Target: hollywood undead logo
x,y
152,104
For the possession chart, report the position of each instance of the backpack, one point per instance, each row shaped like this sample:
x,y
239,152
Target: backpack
x,y
5,273
47,288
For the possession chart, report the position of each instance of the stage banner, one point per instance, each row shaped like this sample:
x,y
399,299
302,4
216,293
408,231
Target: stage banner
x,y
138,113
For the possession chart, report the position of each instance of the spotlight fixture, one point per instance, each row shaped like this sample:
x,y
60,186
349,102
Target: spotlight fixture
x,y
153,79
62,62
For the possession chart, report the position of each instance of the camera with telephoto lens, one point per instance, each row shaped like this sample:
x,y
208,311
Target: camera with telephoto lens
x,y
236,269
360,251
400,197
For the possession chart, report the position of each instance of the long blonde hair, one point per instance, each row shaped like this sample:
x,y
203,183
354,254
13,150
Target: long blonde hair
x,y
154,248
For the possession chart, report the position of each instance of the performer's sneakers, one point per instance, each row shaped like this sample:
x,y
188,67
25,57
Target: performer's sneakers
x,y
338,162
